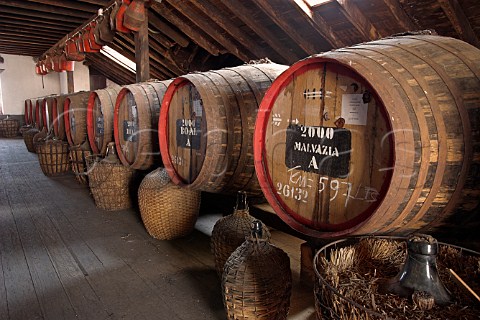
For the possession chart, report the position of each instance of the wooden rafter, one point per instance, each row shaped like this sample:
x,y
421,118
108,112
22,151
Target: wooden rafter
x,y
210,28
459,21
45,8
401,17
43,15
317,22
75,5
11,25
190,31
277,17
244,14
164,28
359,20
44,23
220,19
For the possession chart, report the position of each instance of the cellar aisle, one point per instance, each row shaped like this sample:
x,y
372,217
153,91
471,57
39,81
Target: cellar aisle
x,y
62,258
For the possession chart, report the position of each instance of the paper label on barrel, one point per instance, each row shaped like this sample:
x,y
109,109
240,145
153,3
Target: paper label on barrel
x,y
354,110
99,126
72,124
322,150
189,133
129,131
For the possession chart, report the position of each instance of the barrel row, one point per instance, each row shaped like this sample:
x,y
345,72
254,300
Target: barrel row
x,y
379,138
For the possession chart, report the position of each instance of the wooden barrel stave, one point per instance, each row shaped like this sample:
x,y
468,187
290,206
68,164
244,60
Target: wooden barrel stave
x,y
228,100
100,108
75,117
58,118
140,149
431,127
38,114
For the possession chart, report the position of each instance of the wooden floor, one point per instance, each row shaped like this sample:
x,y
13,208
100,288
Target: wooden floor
x,y
62,258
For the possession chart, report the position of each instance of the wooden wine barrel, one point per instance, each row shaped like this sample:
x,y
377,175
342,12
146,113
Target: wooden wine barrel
x,y
47,112
206,127
39,113
28,112
58,118
75,117
100,118
378,138
135,123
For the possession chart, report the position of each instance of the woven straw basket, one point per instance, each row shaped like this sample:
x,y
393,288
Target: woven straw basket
x,y
230,232
9,128
168,211
24,129
257,281
28,139
78,156
109,182
53,157
376,261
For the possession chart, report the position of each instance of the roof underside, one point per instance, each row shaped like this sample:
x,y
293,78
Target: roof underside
x,y
199,35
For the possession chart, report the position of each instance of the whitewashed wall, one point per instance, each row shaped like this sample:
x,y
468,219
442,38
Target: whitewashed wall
x,y
19,82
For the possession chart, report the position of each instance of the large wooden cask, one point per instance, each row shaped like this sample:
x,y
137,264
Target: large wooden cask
x,y
206,127
135,127
101,104
38,113
47,112
75,117
58,118
28,117
378,138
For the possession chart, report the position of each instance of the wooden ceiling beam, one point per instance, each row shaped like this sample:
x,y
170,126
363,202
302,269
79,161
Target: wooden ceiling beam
x,y
45,23
356,17
96,2
164,28
45,8
286,26
401,17
75,5
40,29
244,14
318,23
36,14
160,38
209,27
459,21
190,31
111,66
20,39
220,18
29,33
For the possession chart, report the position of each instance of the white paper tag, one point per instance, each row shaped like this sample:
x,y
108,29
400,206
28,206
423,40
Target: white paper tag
x,y
354,111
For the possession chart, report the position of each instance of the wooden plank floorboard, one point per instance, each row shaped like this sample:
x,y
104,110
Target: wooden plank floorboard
x,y
103,264
22,301
54,302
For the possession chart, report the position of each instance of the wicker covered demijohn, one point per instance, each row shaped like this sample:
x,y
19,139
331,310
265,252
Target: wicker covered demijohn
x,y
9,127
168,211
109,181
257,280
78,158
53,156
28,139
230,232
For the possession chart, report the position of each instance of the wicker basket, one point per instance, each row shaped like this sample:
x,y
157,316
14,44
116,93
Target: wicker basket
x,y
53,157
230,232
39,138
371,261
9,127
28,139
24,129
109,182
168,211
78,156
257,281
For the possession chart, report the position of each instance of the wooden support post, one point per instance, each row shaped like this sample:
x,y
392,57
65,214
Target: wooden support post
x,y
142,52
307,274
70,83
